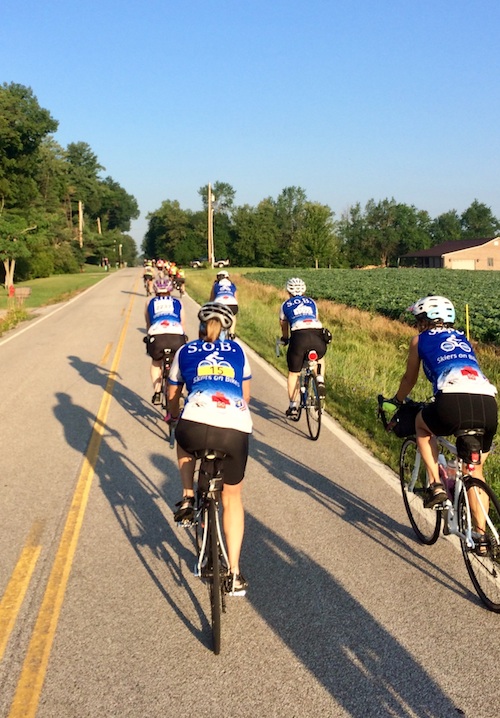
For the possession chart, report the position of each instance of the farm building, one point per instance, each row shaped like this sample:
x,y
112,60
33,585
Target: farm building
x,y
457,254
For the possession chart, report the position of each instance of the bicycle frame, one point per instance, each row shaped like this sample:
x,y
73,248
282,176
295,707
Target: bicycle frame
x,y
212,494
450,508
471,511
309,368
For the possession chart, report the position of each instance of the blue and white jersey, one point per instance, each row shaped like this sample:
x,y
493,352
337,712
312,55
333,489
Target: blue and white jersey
x,y
224,292
164,315
300,313
450,363
213,373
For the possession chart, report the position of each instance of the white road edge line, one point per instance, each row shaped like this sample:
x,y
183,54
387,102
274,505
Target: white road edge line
x,y
33,323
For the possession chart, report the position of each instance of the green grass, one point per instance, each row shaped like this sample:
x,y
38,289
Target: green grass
x,y
48,290
367,357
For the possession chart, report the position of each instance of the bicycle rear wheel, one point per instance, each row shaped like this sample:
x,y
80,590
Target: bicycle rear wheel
x,y
164,383
483,561
215,581
313,407
414,484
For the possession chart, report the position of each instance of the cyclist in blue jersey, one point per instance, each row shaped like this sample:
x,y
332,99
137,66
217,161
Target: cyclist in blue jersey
x,y
216,416
224,292
302,331
463,396
165,330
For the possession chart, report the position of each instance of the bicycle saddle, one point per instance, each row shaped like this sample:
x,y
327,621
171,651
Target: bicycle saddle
x,y
209,454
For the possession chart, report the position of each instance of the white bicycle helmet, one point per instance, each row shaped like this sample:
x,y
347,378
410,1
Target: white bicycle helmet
x,y
222,274
434,308
221,312
163,286
296,286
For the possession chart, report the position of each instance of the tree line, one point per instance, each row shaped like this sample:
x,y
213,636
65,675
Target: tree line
x,y
292,230
57,211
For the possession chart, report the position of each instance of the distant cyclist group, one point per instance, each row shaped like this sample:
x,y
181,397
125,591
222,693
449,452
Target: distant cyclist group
x,y
213,373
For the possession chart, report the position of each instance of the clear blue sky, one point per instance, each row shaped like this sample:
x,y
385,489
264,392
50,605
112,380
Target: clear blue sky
x,y
348,99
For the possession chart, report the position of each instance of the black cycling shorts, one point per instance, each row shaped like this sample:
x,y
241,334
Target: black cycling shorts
x,y
301,341
193,436
451,412
158,342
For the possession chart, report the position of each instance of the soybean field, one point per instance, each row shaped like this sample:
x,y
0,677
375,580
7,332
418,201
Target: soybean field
x,y
391,291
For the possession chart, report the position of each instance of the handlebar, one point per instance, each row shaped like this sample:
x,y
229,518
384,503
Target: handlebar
x,y
381,413
280,343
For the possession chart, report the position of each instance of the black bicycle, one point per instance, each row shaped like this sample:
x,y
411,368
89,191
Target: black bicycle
x,y
168,355
311,400
212,564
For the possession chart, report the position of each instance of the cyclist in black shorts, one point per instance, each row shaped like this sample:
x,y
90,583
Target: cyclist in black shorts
x,y
216,416
302,331
463,396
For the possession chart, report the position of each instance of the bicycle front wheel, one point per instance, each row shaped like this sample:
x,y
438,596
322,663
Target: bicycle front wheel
x,y
313,407
482,559
216,586
414,485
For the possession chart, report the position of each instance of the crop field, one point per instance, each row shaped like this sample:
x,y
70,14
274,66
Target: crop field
x,y
390,291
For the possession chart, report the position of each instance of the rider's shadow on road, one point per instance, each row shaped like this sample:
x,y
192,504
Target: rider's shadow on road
x,y
363,667
140,509
131,402
380,527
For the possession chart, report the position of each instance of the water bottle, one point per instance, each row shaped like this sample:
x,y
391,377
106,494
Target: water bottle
x,y
442,466
447,480
451,470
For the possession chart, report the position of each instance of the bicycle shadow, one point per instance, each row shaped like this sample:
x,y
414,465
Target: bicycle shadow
x,y
137,505
379,526
354,658
274,416
132,403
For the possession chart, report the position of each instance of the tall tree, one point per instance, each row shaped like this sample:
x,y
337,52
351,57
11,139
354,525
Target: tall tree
x,y
223,194
23,126
290,206
168,227
447,227
317,235
478,221
117,207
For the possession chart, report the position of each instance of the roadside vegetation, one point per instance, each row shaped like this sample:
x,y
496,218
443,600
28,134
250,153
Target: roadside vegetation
x,y
366,357
57,209
44,291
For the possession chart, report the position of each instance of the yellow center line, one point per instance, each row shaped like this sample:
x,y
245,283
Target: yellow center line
x,y
105,356
12,600
32,676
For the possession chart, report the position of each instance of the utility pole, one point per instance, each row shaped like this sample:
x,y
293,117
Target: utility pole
x,y
80,223
210,230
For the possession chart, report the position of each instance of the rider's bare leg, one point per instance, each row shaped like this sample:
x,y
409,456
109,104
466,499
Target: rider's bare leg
x,y
479,514
156,371
293,386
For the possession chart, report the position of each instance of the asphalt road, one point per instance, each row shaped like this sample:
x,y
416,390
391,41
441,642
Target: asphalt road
x,y
100,615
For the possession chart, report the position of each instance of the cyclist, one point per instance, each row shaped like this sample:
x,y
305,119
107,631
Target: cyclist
x,y
149,274
302,331
463,396
215,416
180,280
160,265
165,330
225,292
